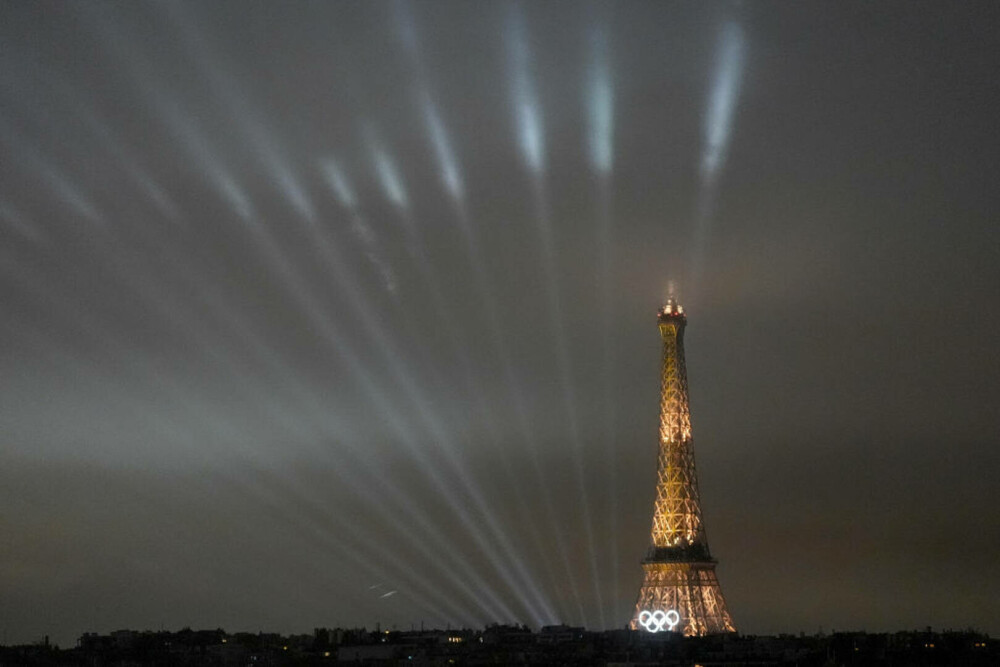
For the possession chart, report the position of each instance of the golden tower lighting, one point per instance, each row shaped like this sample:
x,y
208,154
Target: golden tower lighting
x,y
680,592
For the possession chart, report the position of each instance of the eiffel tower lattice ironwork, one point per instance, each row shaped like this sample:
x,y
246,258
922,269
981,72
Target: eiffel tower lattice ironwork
x,y
680,592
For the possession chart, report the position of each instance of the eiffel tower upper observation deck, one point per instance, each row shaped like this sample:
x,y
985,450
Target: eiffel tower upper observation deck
x,y
680,592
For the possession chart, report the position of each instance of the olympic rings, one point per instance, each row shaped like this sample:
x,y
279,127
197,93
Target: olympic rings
x,y
655,621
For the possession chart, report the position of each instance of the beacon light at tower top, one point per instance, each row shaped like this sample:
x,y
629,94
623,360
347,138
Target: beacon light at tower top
x,y
671,309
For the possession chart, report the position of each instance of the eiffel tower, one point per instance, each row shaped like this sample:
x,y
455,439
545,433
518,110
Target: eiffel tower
x,y
680,592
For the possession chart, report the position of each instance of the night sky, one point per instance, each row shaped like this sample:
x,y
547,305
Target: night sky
x,y
319,314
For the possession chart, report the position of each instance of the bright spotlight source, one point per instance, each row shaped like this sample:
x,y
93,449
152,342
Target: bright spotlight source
x,y
197,145
600,105
293,191
234,193
338,183
525,102
442,146
388,176
406,31
725,91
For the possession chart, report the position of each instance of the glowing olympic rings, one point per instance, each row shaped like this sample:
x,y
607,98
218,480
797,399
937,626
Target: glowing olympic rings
x,y
655,621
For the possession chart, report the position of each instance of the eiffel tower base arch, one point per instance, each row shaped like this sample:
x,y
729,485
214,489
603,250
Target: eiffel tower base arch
x,y
690,589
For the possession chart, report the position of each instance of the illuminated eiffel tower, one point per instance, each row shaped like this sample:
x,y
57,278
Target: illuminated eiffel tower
x,y
680,592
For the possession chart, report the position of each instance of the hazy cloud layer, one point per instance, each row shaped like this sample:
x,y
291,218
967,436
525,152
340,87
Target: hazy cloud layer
x,y
303,304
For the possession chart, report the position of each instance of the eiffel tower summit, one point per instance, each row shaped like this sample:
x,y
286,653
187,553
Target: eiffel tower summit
x,y
680,592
